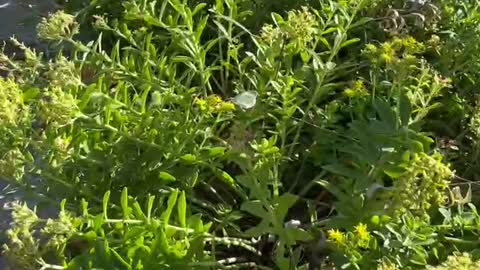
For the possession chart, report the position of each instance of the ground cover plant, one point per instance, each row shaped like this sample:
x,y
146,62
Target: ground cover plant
x,y
241,134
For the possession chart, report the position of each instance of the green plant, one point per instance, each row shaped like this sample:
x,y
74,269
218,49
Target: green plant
x,y
304,134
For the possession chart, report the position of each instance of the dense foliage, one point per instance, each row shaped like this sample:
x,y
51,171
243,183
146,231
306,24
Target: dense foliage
x,y
190,134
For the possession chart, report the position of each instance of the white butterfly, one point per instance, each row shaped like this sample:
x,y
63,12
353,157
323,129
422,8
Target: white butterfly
x,y
245,100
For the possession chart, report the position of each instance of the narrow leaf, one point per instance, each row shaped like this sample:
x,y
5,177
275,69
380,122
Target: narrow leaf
x,y
124,202
182,210
172,199
106,198
405,108
165,176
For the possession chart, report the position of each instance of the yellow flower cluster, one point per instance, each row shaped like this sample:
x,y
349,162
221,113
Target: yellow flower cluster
x,y
423,185
360,237
336,237
300,26
358,90
458,260
58,107
214,104
58,26
62,73
12,165
394,52
386,264
12,109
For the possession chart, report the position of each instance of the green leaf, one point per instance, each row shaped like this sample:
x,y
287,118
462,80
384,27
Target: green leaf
x,y
337,43
84,206
338,193
138,212
385,112
163,242
405,108
282,262
277,18
198,8
349,42
165,176
172,199
416,146
182,210
361,21
30,94
200,27
223,175
261,229
219,6
283,203
329,30
325,42
216,151
102,254
195,223
106,198
343,170
188,159
394,172
151,200
255,208
298,234
124,202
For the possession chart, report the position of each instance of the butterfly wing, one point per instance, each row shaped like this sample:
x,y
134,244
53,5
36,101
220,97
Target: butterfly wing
x,y
246,100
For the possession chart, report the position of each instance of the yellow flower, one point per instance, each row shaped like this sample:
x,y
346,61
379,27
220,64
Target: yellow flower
x,y
387,48
371,48
349,93
214,100
359,86
362,232
336,237
202,104
226,107
358,90
386,58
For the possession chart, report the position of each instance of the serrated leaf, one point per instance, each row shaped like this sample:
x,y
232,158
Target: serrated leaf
x,y
298,234
283,204
261,229
385,112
